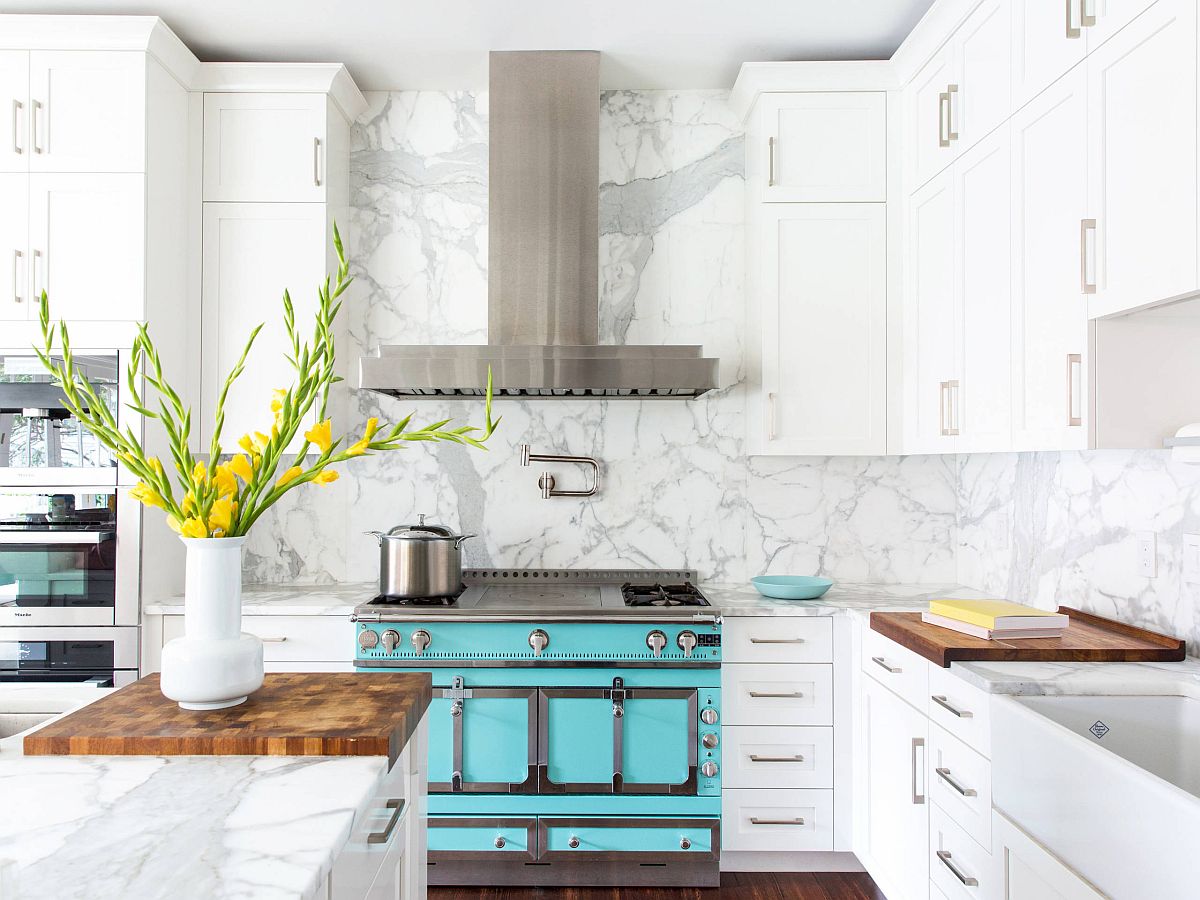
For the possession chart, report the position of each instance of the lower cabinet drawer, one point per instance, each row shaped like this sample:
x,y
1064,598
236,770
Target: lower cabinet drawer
x,y
960,782
290,638
601,838
962,709
777,694
777,819
471,838
780,756
958,866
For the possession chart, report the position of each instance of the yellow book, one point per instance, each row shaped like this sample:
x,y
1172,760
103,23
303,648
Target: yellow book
x,y
997,614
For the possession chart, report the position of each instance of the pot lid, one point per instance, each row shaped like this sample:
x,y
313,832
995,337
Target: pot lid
x,y
422,532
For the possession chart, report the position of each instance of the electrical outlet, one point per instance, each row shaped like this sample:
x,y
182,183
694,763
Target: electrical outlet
x,y
1191,558
1147,554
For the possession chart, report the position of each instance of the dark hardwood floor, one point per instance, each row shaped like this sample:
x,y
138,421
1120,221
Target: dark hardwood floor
x,y
734,886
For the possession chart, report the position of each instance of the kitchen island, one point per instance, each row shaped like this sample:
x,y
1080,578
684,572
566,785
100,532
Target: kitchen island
x,y
136,827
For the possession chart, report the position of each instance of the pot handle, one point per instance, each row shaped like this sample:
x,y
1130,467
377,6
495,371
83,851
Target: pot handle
x,y
378,535
462,537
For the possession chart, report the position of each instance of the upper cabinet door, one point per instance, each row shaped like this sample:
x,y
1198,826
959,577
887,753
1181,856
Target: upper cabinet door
x,y
981,189
825,148
824,328
984,63
930,106
1047,39
1049,201
15,298
87,111
932,390
265,148
14,110
87,236
1104,18
1142,161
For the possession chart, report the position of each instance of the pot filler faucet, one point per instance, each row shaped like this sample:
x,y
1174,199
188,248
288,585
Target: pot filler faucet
x,y
546,482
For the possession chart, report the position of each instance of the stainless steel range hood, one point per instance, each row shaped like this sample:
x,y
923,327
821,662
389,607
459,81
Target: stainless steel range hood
x,y
543,244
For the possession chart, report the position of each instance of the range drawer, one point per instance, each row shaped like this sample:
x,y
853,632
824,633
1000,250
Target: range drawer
x,y
776,694
763,756
598,839
897,667
960,782
958,867
777,820
475,838
762,639
962,709
305,638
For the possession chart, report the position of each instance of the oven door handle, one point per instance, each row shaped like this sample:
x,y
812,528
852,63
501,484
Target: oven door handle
x,y
75,538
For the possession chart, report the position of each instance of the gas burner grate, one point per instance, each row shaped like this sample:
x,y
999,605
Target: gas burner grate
x,y
385,600
684,594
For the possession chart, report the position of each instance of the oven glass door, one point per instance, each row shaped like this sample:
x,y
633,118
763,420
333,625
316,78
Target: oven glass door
x,y
483,739
625,740
40,441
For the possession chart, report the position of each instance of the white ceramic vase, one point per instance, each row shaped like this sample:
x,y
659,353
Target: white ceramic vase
x,y
214,664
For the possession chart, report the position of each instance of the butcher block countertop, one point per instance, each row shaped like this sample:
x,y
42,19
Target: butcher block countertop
x,y
292,714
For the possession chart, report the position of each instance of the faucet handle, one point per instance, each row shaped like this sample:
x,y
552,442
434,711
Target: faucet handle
x,y
525,455
546,483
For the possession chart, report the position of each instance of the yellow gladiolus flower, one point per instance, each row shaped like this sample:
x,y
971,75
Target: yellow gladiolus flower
x,y
358,448
173,524
154,464
193,528
220,517
143,493
326,476
277,397
321,434
372,427
240,466
288,476
199,472
225,480
260,441
189,503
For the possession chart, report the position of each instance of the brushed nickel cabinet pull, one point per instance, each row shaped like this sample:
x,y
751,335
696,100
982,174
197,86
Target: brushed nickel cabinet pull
x,y
771,162
940,700
883,664
755,820
917,744
18,258
952,399
945,775
316,162
382,837
755,640
767,695
942,389
17,107
1086,19
273,640
771,416
1074,366
951,134
943,104
754,757
33,126
1073,30
945,857
1086,275
39,282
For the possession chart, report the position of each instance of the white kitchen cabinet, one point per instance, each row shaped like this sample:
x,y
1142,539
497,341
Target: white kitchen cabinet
x,y
252,252
824,330
982,408
1025,870
958,866
896,834
1142,164
15,301
824,147
14,95
1047,40
930,106
87,236
932,388
1049,309
268,147
983,62
776,820
87,111
1104,18
777,756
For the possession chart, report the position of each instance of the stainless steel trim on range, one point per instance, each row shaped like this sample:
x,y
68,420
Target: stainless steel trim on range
x,y
529,824
459,696
545,823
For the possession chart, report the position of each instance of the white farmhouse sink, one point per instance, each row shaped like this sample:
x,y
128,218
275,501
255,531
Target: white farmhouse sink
x,y
1111,783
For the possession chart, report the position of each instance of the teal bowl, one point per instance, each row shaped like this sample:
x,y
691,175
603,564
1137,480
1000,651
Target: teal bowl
x,y
792,587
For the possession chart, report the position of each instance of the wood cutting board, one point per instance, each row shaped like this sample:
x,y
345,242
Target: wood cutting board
x,y
1089,638
292,714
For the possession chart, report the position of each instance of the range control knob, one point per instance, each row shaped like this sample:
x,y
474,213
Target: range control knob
x,y
539,641
709,769
368,639
420,641
708,716
391,640
656,640
710,740
686,642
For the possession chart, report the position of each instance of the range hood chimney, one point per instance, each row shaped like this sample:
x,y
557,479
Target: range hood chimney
x,y
543,244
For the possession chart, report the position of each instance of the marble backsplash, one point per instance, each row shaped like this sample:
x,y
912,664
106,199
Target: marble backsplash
x,y
678,489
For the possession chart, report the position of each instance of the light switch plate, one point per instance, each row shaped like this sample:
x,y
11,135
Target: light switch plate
x,y
1191,558
1147,554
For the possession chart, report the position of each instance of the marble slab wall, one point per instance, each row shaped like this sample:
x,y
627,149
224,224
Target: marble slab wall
x,y
678,489
1061,528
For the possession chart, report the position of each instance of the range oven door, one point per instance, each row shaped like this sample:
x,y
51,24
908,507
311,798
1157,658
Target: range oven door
x,y
618,739
483,739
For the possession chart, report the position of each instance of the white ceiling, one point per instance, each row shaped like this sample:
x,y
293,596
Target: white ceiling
x,y
443,44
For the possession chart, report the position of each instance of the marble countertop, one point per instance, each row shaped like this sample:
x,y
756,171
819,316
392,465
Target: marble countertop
x,y
1065,678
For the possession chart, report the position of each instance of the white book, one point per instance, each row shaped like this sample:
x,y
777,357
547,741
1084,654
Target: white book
x,y
990,634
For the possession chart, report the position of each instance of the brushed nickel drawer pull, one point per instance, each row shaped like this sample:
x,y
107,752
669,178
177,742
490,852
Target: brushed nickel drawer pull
x,y
18,258
940,700
273,640
33,119
755,640
382,837
1087,228
1073,30
943,102
754,757
951,134
316,162
771,162
1074,365
883,664
945,857
917,744
18,106
1086,19
500,842
767,695
755,820
771,431
945,775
